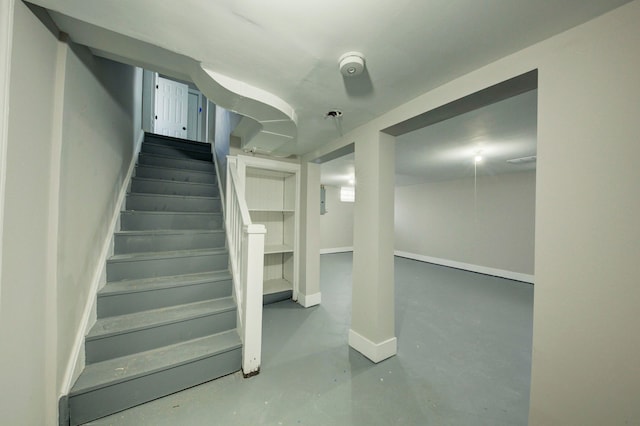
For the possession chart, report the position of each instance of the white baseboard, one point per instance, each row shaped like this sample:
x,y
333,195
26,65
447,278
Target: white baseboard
x,y
336,250
77,361
310,300
376,352
517,276
136,147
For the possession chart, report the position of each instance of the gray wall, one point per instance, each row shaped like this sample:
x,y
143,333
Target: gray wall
x,y
72,125
441,220
585,333
27,393
336,226
225,122
102,119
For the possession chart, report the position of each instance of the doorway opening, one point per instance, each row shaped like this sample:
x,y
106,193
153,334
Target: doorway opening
x,y
174,108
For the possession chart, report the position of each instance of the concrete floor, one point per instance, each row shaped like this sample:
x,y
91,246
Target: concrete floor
x,y
464,357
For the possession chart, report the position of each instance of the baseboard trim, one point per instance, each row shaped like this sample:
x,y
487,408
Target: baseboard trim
x,y
136,148
376,352
310,300
77,361
336,250
64,417
502,273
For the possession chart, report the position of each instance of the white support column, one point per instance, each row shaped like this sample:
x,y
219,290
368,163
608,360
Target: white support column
x,y
309,280
253,254
372,330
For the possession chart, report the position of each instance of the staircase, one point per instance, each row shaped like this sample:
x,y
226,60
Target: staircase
x,y
166,316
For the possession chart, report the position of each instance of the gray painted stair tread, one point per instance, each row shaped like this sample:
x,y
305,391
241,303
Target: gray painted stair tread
x,y
170,216
131,366
168,174
174,196
185,147
140,320
152,220
159,232
165,213
154,166
176,159
134,257
157,136
179,144
176,152
146,284
176,182
171,140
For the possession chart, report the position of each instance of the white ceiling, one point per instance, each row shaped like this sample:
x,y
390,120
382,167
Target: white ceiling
x,y
289,49
446,150
338,172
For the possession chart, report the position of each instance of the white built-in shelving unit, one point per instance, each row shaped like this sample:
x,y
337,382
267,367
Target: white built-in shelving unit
x,y
272,195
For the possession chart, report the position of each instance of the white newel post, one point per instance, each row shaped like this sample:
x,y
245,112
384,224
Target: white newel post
x,y
253,257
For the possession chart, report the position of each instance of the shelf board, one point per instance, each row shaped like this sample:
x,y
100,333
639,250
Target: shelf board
x,y
272,210
276,286
277,248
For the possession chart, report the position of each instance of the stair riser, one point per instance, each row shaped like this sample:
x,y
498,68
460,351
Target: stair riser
x,y
152,243
147,222
178,175
202,147
121,304
150,268
177,163
102,402
174,188
171,204
170,151
143,340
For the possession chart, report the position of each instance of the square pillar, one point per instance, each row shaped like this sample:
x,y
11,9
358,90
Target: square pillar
x,y
372,330
309,278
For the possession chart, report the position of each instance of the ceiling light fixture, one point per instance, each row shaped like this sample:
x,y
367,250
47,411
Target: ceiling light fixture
x,y
333,113
336,116
351,64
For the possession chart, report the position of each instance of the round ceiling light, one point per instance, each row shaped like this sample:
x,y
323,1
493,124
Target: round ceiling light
x,y
351,64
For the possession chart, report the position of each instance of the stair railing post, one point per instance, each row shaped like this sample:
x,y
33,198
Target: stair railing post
x,y
246,249
253,258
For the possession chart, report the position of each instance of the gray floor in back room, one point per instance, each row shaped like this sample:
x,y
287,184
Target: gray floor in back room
x,y
464,357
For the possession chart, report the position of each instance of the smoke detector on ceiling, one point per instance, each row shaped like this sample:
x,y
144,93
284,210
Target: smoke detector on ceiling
x,y
351,64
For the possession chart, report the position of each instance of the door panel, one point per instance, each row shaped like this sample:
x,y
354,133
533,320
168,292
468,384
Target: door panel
x,y
171,108
193,115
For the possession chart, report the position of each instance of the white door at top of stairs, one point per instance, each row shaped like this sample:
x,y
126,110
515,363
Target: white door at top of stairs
x,y
171,109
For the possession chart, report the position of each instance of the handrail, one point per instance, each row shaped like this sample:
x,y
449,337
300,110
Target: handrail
x,y
246,254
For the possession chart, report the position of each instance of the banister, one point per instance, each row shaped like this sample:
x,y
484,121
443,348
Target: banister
x,y
246,254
